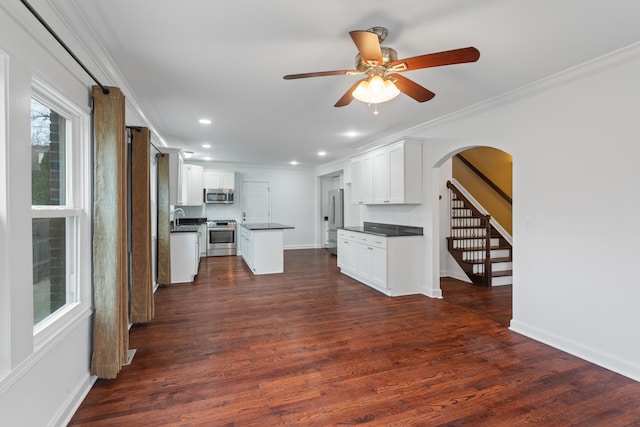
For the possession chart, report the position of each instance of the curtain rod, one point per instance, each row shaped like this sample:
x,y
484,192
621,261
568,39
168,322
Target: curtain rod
x,y
44,23
138,128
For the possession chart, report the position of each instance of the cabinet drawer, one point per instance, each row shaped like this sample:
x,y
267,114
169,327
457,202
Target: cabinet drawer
x,y
371,240
348,235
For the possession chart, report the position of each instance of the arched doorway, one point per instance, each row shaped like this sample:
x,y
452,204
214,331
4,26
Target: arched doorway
x,y
476,182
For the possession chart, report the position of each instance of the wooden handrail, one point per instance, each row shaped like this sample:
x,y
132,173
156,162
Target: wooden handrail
x,y
485,178
470,205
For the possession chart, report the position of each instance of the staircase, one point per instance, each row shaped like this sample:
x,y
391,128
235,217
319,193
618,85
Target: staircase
x,y
482,252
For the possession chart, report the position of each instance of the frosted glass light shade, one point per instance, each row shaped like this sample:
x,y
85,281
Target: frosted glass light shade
x,y
375,90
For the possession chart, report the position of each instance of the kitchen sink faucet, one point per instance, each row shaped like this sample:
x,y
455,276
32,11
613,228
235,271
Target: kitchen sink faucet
x,y
176,217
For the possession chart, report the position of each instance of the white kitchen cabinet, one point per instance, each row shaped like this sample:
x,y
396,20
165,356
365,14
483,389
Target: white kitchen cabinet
x,y
347,252
372,260
192,185
263,249
185,256
203,236
219,179
391,265
362,179
394,177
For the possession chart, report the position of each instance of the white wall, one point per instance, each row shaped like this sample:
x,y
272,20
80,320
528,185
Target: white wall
x,y
293,200
41,380
574,141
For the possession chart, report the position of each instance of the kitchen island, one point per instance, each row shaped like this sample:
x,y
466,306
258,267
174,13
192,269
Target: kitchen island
x,y
185,253
385,257
262,246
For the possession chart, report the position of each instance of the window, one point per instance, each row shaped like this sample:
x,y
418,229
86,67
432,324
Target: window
x,y
55,215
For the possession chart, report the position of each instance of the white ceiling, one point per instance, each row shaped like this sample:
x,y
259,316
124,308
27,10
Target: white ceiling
x,y
189,59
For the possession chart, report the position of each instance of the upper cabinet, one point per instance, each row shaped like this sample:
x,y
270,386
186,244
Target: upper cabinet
x,y
362,179
219,179
192,185
388,175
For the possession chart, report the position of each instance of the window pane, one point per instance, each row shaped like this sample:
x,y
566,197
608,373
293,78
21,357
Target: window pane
x,y
49,266
48,176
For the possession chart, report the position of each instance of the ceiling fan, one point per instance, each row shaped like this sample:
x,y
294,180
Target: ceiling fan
x,y
381,65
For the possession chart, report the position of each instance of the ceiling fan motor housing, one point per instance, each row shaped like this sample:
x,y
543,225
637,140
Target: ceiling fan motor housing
x,y
388,55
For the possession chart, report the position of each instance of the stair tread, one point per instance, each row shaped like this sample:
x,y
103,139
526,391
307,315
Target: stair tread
x,y
480,248
502,273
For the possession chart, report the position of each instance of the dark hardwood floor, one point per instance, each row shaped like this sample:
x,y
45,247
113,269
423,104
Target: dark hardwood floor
x,y
312,347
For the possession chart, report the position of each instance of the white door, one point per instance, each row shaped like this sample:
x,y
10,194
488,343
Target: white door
x,y
256,202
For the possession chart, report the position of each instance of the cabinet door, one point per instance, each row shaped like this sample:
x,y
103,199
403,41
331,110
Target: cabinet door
x,y
203,236
381,176
211,179
378,274
367,179
228,180
347,255
362,179
396,174
365,261
196,186
356,180
196,254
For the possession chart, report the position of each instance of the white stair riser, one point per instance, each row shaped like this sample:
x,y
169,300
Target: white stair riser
x,y
494,253
502,281
474,243
495,266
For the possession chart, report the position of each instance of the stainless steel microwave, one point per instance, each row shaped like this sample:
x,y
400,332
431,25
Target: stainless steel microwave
x,y
218,195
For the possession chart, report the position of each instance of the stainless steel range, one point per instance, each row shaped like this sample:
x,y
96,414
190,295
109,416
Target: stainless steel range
x,y
221,237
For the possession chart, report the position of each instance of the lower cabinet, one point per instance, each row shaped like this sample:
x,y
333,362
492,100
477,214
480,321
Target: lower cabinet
x,y
185,257
203,236
391,265
262,250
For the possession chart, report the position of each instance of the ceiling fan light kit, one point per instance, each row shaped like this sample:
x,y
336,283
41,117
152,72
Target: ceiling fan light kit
x,y
375,90
381,65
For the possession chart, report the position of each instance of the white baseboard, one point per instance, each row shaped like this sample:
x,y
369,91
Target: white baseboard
x,y
66,411
627,368
432,293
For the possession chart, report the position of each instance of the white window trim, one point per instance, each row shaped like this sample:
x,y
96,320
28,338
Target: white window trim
x,y
78,202
5,321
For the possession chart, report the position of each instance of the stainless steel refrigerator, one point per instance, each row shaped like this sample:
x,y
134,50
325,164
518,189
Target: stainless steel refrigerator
x,y
336,218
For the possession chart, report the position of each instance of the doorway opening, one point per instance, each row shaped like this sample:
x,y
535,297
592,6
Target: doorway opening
x,y
470,246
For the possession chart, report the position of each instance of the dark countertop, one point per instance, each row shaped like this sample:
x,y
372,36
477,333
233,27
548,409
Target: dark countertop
x,y
386,230
185,228
191,221
265,226
187,225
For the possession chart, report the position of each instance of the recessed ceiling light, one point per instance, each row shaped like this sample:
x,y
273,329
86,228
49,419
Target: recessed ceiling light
x,y
208,158
204,121
351,133
187,154
293,162
206,145
322,153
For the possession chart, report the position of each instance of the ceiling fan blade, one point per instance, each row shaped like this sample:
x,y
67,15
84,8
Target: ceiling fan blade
x,y
411,88
448,57
368,46
320,74
348,95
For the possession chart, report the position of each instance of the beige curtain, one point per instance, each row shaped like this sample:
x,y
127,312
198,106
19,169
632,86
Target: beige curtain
x,y
142,304
110,287
164,233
